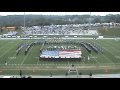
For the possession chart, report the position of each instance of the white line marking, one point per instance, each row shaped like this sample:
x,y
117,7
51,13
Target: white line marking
x,y
8,50
26,56
11,59
105,56
38,62
4,45
113,47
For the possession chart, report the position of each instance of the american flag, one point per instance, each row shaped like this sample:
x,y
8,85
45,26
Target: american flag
x,y
70,54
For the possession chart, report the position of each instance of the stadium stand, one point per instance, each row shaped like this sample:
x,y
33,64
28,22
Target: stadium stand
x,y
58,30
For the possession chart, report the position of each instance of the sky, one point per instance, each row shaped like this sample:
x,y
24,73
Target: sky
x,y
58,13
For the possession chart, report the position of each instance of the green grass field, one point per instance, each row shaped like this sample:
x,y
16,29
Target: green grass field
x,y
108,62
110,32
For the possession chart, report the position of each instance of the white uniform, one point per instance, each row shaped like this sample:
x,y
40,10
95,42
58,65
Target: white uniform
x,y
88,58
5,63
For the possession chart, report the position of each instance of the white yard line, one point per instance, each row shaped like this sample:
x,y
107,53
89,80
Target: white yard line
x,y
26,56
57,65
113,46
108,50
83,62
10,60
4,45
60,68
38,62
95,60
105,56
52,38
40,49
8,50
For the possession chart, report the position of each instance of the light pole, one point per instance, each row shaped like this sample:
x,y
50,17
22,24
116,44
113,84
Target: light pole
x,y
24,26
90,21
24,20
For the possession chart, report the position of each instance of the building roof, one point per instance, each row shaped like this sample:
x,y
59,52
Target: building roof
x,y
10,27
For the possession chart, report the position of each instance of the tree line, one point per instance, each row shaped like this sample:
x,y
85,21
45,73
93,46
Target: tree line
x,y
35,20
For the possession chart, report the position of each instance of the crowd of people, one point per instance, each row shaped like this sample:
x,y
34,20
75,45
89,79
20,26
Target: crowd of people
x,y
11,33
70,29
59,30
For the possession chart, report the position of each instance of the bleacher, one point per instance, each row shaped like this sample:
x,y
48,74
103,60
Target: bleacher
x,y
58,30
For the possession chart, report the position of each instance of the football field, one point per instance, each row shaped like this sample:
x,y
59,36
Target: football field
x,y
106,62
